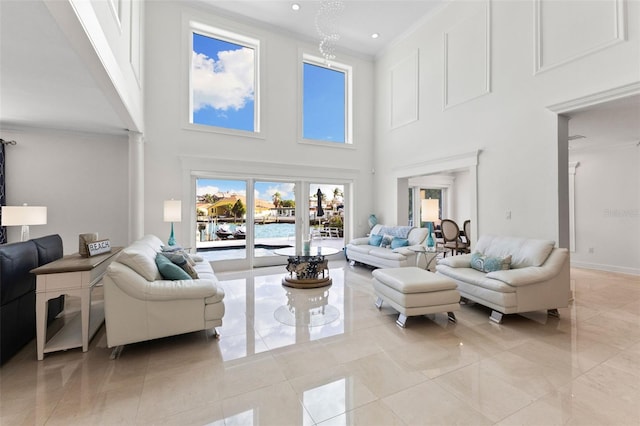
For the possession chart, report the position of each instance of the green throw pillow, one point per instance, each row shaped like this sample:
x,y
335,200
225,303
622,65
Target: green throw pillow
x,y
169,270
399,242
375,239
484,263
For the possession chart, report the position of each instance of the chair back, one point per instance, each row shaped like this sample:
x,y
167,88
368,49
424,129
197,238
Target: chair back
x,y
450,230
466,227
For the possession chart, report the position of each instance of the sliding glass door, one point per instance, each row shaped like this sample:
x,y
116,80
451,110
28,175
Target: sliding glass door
x,y
245,221
274,217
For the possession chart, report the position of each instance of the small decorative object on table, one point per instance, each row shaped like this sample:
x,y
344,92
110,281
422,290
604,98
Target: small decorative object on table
x,y
83,240
99,247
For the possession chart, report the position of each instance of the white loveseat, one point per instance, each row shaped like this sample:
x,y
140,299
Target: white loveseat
x,y
360,249
140,305
537,279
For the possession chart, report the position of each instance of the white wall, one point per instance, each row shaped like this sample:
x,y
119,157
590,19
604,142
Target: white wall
x,y
81,178
461,197
607,208
496,100
107,36
173,152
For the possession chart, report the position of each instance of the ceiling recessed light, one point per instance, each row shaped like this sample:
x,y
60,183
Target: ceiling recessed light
x,y
375,35
295,7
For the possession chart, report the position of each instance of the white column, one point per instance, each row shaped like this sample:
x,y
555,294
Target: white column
x,y
572,218
136,186
563,182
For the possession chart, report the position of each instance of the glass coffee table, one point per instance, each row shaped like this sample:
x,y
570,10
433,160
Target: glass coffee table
x,y
307,270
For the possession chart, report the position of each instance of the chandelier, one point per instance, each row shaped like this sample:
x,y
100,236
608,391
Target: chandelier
x,y
327,27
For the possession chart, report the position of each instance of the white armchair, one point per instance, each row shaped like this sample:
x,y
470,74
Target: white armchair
x,y
140,305
537,279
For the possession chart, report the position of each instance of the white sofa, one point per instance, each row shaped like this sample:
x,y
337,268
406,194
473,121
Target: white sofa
x,y
538,277
140,305
359,249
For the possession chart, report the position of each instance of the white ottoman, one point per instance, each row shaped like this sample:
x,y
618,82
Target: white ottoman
x,y
413,291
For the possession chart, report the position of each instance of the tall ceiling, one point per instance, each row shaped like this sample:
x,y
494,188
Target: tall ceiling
x,y
357,21
44,82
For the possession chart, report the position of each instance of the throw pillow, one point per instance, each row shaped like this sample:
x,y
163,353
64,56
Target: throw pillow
x,y
169,270
484,263
386,241
399,242
375,239
182,260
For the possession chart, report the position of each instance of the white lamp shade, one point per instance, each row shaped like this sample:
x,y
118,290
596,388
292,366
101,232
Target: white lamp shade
x,y
173,211
24,215
430,210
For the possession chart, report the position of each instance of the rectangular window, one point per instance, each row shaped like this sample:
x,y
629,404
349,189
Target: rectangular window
x,y
326,101
223,83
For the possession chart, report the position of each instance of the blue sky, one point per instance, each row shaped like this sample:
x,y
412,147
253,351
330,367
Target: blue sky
x,y
223,91
264,190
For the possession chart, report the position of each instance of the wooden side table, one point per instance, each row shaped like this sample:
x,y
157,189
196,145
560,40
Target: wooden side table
x,y
71,275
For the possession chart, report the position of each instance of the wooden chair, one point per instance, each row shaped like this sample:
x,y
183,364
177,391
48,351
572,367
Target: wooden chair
x,y
451,237
466,227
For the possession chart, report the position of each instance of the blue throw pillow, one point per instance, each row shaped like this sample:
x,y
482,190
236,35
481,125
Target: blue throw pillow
x,y
484,263
169,270
375,239
399,242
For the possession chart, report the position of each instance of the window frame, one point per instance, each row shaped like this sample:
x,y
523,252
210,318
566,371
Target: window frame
x,y
215,32
347,70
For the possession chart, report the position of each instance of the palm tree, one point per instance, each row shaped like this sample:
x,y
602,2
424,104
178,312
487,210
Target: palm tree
x,y
277,200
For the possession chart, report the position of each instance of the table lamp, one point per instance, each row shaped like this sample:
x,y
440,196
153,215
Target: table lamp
x,y
430,214
172,213
24,216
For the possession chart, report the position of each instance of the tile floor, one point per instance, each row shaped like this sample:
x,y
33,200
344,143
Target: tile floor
x,y
351,365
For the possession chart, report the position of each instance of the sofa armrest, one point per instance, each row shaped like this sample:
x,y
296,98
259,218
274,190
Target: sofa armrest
x,y
533,274
460,261
359,241
180,289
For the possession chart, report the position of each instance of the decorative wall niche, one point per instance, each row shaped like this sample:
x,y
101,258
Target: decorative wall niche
x,y
404,91
568,30
467,58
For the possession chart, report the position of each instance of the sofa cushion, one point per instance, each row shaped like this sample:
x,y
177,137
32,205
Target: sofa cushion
x,y
152,241
385,253
169,270
141,257
375,240
483,263
399,242
524,252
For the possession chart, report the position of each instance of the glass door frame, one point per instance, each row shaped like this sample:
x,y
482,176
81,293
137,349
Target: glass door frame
x,y
302,226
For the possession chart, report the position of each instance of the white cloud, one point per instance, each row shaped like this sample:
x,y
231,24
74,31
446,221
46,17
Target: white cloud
x,y
203,190
286,191
223,84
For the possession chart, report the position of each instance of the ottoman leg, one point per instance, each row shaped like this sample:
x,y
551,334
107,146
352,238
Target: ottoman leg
x,y
402,320
452,316
379,303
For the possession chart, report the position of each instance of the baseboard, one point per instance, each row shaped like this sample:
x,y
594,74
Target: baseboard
x,y
607,268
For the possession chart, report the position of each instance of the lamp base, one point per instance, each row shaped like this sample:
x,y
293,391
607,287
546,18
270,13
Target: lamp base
x,y
172,240
430,243
24,235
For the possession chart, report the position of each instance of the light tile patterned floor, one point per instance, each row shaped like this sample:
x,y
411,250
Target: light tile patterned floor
x,y
354,366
